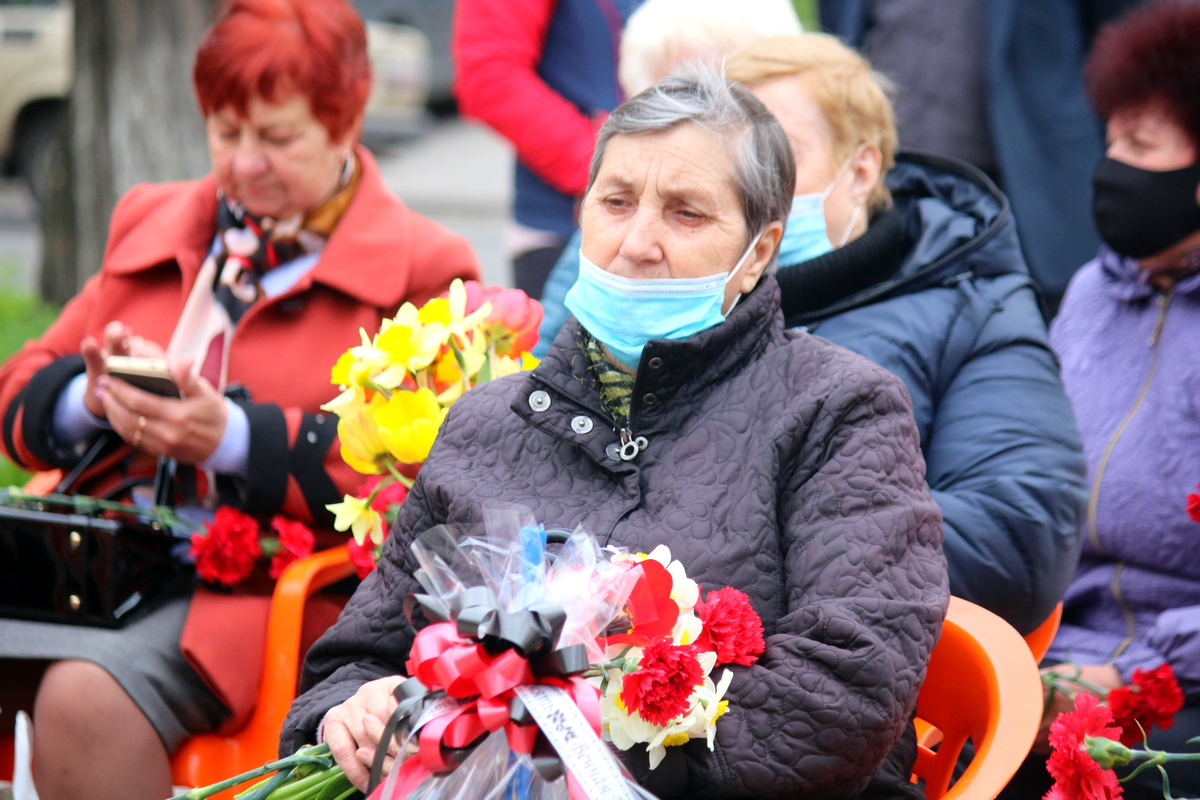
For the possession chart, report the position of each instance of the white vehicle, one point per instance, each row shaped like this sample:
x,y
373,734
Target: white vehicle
x,y
35,77
36,54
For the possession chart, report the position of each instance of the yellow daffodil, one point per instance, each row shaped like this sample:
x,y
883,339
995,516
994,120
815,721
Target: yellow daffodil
x,y
451,311
408,424
358,365
362,447
409,345
353,514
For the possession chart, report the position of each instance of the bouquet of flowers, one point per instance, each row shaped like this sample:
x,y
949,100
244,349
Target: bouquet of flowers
x,y
397,385
656,688
1096,735
530,659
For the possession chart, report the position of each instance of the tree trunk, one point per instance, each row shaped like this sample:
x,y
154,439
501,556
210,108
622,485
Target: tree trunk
x,y
133,118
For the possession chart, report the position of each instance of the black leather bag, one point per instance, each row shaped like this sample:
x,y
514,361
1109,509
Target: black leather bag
x,y
70,561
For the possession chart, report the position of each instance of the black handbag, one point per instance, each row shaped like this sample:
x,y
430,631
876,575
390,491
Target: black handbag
x,y
83,562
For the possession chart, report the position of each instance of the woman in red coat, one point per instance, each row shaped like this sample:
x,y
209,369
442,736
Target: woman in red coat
x,y
251,281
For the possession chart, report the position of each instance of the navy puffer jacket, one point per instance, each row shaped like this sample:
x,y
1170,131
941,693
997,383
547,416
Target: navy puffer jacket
x,y
937,293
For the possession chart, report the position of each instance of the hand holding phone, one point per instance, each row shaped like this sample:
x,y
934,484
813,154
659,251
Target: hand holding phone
x,y
148,374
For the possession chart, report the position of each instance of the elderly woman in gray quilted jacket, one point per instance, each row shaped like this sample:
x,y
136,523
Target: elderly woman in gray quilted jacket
x,y
675,409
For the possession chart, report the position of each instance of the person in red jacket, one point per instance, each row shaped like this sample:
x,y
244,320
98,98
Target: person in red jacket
x,y
252,280
542,74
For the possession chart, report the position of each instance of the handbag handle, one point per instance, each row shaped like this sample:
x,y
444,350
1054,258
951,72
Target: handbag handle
x,y
164,472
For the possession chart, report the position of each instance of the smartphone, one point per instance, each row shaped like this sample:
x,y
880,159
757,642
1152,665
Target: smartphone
x,y
148,374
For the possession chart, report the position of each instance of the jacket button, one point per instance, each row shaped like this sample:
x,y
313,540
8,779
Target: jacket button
x,y
581,424
539,400
613,451
654,363
649,398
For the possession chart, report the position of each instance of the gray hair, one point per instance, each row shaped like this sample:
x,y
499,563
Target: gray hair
x,y
764,169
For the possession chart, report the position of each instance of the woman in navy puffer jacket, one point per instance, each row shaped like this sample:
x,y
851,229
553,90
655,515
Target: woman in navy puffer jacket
x,y
924,275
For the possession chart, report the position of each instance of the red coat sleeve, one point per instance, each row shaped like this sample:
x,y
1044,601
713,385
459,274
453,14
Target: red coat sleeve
x,y
497,45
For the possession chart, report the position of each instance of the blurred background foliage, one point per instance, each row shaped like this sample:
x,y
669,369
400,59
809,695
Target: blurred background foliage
x,y
21,318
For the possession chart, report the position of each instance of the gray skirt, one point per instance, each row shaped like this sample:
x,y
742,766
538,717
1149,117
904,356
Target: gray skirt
x,y
143,657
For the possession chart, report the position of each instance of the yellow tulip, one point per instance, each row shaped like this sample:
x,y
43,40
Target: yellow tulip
x,y
362,447
408,424
353,514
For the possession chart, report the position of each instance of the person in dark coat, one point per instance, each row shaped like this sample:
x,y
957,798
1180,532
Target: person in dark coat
x,y
668,412
916,266
1000,84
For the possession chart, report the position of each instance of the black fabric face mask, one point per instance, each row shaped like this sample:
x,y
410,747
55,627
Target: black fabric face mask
x,y
1141,212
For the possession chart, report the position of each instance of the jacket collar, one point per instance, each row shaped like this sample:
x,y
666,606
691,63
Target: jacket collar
x,y
1124,280
669,369
367,236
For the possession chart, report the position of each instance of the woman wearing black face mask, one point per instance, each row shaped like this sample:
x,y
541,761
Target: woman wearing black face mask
x,y
1127,337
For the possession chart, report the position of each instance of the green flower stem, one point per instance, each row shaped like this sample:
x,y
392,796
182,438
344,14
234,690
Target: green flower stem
x,y
1155,758
260,790
82,504
375,387
302,787
405,481
462,364
317,755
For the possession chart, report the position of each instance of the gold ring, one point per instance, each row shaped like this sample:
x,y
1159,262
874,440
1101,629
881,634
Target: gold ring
x,y
137,435
141,422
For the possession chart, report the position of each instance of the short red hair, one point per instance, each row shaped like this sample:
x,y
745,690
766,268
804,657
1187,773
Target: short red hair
x,y
272,48
1150,58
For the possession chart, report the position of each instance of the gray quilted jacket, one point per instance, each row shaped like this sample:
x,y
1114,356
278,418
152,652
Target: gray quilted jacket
x,y
777,463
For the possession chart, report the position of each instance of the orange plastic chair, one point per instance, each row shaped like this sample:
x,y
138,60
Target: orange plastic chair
x,y
208,758
982,685
1039,638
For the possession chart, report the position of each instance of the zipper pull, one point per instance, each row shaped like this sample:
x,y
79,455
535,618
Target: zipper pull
x,y
1163,300
631,446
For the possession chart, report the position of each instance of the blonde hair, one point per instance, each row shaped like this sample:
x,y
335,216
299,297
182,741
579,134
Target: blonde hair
x,y
853,98
662,34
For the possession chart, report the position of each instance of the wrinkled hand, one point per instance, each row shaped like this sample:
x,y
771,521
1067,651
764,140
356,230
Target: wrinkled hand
x,y
1102,676
119,340
186,429
353,729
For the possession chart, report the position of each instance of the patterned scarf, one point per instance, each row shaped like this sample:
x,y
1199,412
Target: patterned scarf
x,y
616,385
251,246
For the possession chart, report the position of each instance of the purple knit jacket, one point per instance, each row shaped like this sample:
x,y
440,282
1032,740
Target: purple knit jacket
x,y
1131,366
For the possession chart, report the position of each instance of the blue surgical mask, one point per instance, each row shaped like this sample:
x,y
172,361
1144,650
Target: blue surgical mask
x,y
805,236
624,313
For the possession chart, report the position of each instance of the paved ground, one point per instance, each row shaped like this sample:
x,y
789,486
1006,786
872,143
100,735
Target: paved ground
x,y
457,173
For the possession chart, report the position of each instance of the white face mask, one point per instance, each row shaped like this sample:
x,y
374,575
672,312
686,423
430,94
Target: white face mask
x,y
626,313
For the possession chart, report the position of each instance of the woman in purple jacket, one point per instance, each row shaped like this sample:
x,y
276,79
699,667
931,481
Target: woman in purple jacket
x,y
1127,339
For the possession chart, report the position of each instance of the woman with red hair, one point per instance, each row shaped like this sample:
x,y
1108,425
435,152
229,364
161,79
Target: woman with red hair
x,y
1126,337
250,282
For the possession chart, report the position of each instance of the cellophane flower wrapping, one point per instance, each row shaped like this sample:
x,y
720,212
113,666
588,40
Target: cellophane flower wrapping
x,y
501,603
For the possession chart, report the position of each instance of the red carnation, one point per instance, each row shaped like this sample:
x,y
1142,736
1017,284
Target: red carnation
x,y
1193,505
1076,774
664,680
295,541
732,628
227,552
362,556
1152,698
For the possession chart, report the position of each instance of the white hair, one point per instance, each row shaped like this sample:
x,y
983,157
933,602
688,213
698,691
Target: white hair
x,y
662,34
